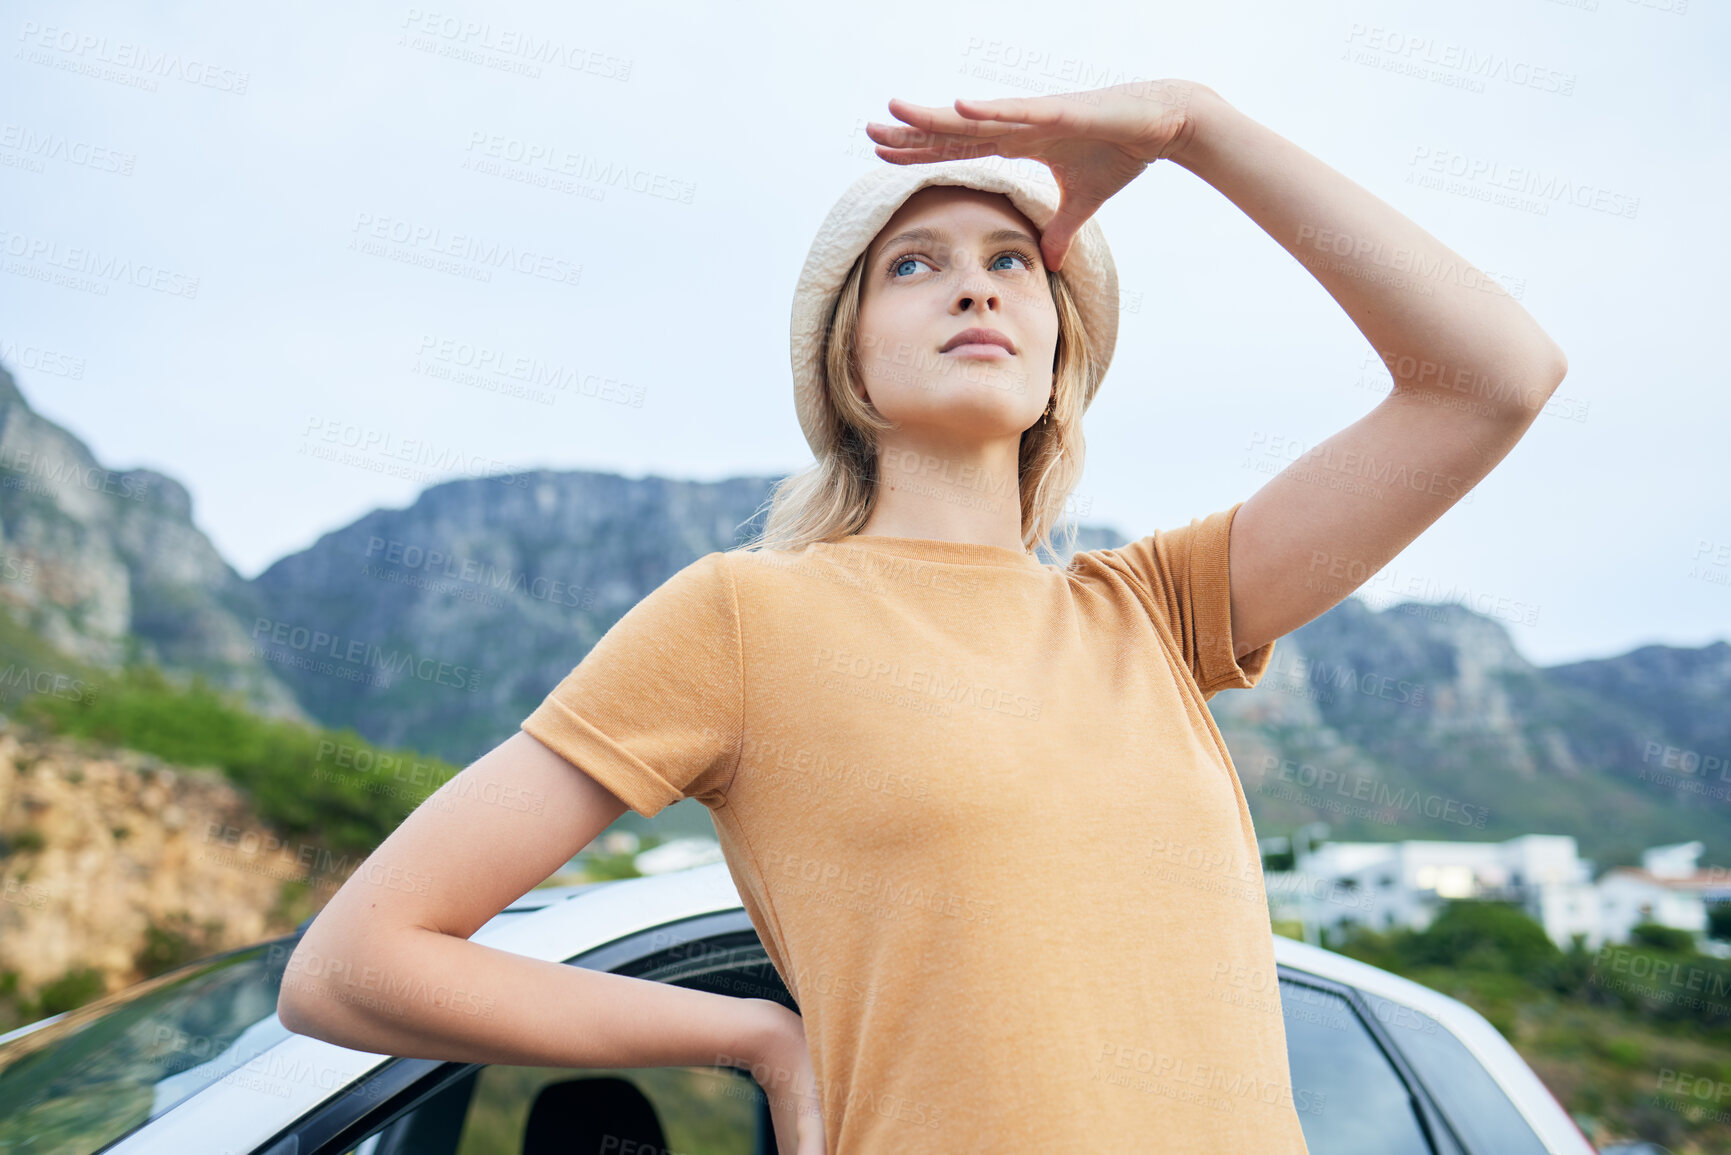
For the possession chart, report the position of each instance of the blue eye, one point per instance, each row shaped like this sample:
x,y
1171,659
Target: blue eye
x,y
1027,259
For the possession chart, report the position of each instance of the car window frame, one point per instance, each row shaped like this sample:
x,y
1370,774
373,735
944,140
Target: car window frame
x,y
1439,1132
397,1087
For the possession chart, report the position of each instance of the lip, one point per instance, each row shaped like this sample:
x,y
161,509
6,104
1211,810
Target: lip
x,y
978,337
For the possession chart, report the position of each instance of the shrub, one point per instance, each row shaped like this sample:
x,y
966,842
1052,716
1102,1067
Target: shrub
x,y
71,990
1662,938
275,761
1487,936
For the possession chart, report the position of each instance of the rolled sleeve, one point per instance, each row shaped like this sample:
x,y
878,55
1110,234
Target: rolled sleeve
x,y
654,711
1211,605
1183,578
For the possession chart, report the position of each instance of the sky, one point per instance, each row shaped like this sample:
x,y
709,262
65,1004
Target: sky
x,y
240,247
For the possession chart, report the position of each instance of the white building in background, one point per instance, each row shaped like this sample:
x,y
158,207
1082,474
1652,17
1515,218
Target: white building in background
x,y
1668,888
1388,884
679,854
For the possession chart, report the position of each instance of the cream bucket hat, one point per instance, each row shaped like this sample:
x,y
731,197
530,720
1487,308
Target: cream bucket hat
x,y
867,206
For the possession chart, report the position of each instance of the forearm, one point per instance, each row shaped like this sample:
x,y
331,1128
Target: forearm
x,y
1437,321
422,994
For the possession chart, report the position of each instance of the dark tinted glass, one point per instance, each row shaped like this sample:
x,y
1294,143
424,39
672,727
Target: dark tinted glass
x,y
1350,1100
80,1083
1475,1105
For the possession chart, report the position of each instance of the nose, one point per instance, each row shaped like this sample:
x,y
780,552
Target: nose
x,y
975,290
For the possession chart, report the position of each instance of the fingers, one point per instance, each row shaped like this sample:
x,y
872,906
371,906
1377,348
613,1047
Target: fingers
x,y
955,150
1053,249
942,120
901,144
1021,109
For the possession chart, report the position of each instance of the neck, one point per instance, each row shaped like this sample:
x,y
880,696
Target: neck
x,y
947,492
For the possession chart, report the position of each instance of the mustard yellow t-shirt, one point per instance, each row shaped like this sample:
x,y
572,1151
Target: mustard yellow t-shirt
x,y
984,824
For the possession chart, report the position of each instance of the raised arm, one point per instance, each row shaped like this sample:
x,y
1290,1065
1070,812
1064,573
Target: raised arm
x,y
1471,370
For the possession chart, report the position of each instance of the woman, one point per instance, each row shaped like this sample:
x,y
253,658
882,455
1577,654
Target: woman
x,y
975,804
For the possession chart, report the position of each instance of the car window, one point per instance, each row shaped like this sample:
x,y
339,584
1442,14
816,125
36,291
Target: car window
x,y
503,1110
1350,1100
110,1066
1463,1090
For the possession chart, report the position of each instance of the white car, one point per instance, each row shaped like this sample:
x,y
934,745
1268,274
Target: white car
x,y
195,1060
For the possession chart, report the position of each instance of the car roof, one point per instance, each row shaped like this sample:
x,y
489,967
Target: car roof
x,y
560,922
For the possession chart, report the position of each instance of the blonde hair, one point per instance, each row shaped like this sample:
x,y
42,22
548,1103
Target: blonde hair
x,y
835,496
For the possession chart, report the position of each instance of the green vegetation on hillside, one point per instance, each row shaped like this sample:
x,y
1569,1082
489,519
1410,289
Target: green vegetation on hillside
x,y
331,788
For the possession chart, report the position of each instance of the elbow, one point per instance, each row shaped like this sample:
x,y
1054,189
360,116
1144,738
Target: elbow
x,y
295,1015
1559,365
297,1006
291,1012
302,1004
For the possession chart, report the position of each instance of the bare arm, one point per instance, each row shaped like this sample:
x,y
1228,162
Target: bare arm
x,y
387,968
1471,369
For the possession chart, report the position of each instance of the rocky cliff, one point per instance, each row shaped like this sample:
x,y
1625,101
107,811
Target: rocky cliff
x,y
106,566
112,860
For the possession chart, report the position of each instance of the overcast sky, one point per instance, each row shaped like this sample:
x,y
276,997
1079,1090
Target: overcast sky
x,y
301,191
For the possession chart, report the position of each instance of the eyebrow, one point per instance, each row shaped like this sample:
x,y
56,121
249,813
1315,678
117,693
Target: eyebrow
x,y
926,235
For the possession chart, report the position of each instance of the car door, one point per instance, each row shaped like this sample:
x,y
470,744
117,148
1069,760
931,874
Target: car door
x,y
425,1107
1475,1105
1353,1089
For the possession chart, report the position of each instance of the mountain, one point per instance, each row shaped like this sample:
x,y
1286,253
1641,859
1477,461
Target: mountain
x,y
106,566
1423,721
448,622
442,625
